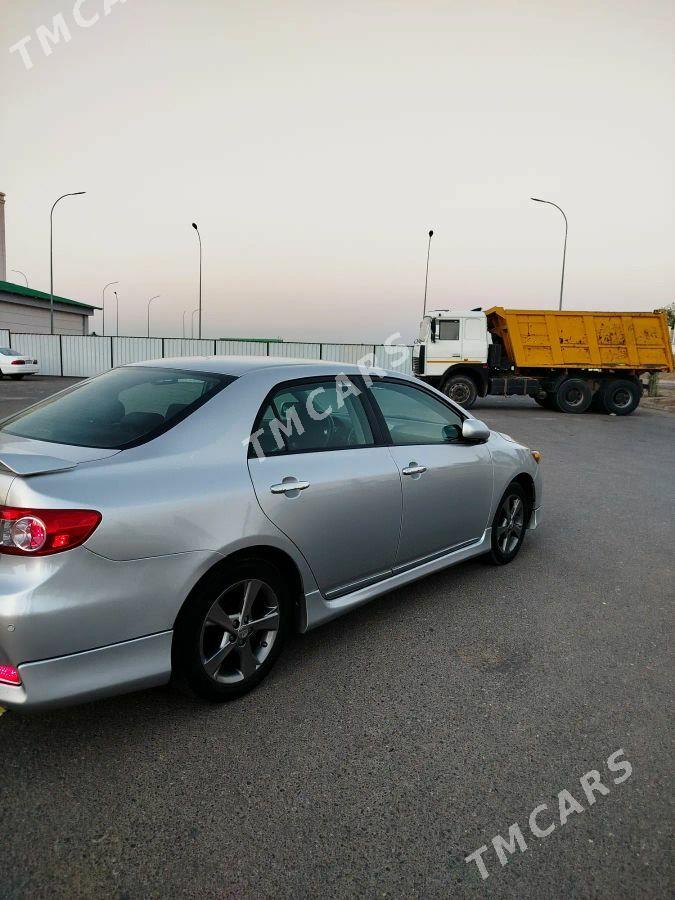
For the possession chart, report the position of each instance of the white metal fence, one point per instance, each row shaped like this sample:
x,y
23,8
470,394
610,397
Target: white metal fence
x,y
84,356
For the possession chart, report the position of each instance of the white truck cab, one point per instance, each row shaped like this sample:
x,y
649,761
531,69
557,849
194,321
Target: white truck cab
x,y
452,344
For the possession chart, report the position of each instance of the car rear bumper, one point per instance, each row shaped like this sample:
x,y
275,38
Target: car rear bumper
x,y
128,666
20,370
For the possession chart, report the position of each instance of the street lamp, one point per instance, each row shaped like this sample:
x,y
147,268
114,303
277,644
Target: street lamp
x,y
426,277
117,307
51,257
194,225
562,277
192,319
110,284
19,272
149,302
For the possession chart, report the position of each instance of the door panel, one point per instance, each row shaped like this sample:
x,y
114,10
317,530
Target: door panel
x,y
447,483
446,505
346,521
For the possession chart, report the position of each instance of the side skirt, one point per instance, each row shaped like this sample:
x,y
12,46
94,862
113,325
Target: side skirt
x,y
319,610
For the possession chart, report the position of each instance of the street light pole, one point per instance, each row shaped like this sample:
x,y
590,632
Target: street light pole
x,y
117,308
149,302
51,257
562,276
110,284
192,320
426,277
19,272
194,225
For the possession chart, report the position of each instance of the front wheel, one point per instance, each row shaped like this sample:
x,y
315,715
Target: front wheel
x,y
462,389
508,525
232,631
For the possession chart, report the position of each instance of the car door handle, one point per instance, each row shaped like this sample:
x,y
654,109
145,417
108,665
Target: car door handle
x,y
289,485
414,469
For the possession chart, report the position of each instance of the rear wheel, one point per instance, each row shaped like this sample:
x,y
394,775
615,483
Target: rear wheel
x,y
574,395
620,396
462,389
546,400
232,631
508,525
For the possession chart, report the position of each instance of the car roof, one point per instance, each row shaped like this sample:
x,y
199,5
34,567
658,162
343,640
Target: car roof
x,y
241,365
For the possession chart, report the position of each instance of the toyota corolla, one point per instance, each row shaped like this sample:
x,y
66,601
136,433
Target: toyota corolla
x,y
176,519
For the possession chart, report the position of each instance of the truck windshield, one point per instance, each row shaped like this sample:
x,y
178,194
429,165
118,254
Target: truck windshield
x,y
122,408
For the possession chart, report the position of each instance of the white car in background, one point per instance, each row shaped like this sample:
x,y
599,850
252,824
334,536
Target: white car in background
x,y
16,364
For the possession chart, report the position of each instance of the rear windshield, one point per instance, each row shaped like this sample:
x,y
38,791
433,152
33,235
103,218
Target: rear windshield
x,y
119,409
7,351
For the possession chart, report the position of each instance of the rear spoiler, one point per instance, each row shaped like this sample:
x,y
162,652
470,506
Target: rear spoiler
x,y
33,463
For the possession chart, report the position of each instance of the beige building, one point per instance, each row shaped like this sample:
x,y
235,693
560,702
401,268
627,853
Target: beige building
x,y
24,309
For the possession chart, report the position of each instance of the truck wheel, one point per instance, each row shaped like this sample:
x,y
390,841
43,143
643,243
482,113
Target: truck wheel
x,y
547,401
462,390
574,395
620,396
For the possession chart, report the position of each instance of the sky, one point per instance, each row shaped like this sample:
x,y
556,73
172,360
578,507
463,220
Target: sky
x,y
316,143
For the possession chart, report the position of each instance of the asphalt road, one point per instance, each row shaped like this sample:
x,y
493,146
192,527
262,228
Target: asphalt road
x,y
388,745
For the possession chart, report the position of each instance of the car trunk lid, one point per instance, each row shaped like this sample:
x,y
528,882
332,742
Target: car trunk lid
x,y
24,457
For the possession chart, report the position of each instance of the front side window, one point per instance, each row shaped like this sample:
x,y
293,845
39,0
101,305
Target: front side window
x,y
448,330
123,407
415,417
325,415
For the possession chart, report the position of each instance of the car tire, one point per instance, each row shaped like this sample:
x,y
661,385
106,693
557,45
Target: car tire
x,y
16,377
620,396
512,510
573,395
219,652
461,389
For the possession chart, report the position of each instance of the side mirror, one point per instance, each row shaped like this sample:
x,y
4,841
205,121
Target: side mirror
x,y
433,331
475,431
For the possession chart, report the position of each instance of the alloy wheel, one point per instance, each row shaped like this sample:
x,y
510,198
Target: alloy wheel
x,y
511,524
239,631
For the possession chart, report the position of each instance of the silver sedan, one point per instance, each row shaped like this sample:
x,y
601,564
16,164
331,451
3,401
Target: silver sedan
x,y
176,519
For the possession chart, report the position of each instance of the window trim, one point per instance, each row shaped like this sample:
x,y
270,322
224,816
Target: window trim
x,y
223,382
423,389
379,436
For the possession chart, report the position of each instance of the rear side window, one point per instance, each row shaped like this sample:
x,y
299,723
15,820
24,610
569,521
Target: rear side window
x,y
304,417
120,409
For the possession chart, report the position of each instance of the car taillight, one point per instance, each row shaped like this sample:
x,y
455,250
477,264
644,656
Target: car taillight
x,y
17,362
9,675
40,532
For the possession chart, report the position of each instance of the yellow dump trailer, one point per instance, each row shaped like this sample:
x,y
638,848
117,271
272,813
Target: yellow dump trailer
x,y
537,339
